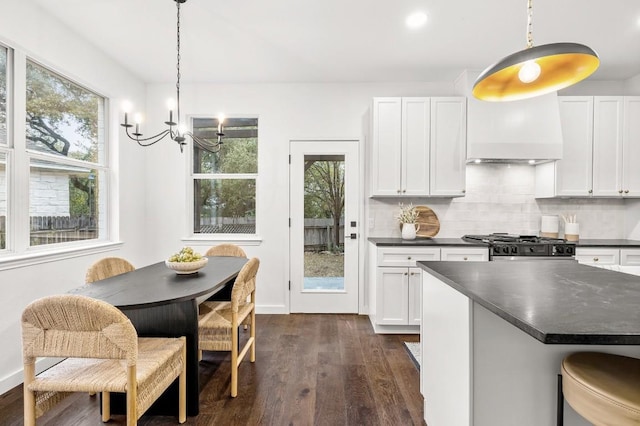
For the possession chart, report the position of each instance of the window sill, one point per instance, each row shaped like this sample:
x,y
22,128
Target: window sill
x,y
243,240
38,255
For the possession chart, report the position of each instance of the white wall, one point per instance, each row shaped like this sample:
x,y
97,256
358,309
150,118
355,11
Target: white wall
x,y
24,26
285,111
500,198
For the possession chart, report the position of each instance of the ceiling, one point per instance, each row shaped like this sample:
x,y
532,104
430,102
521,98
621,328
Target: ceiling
x,y
248,41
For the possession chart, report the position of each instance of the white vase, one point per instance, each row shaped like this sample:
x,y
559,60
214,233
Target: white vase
x,y
409,231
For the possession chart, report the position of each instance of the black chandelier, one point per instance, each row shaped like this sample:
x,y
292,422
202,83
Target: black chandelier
x,y
176,131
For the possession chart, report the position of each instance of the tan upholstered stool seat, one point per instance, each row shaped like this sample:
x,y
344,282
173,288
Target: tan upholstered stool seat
x,y
603,388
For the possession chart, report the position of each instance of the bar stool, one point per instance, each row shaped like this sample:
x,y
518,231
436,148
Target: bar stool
x,y
603,388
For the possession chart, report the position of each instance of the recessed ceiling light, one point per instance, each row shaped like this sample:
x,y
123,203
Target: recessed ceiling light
x,y
416,20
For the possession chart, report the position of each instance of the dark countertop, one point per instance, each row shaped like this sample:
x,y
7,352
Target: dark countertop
x,y
556,302
614,243
399,242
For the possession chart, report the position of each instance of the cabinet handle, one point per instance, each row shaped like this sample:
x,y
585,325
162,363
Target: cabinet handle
x,y
408,257
412,273
620,191
466,258
464,191
399,191
404,190
626,191
406,273
591,191
595,259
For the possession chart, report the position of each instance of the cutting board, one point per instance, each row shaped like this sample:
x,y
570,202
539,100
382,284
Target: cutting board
x,y
429,223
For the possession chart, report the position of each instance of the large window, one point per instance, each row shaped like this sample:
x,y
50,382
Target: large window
x,y
224,183
3,201
65,139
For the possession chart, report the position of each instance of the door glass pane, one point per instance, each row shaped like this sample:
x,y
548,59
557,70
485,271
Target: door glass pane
x,y
324,222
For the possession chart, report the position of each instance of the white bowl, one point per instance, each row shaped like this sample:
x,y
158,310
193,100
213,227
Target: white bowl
x,y
187,267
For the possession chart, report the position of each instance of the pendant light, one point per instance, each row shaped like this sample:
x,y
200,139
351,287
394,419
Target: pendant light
x,y
176,129
536,70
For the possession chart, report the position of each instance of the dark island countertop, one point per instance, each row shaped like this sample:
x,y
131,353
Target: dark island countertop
x,y
556,302
427,242
609,243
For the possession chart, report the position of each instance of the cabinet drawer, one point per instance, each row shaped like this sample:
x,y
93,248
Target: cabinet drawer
x,y
461,254
630,256
402,256
598,255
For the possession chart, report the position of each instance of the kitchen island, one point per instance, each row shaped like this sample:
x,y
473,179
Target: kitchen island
x,y
493,335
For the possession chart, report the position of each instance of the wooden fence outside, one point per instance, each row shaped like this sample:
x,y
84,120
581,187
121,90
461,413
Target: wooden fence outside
x,y
318,234
55,229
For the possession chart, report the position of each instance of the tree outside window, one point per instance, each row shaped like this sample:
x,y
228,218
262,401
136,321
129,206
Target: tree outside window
x,y
224,183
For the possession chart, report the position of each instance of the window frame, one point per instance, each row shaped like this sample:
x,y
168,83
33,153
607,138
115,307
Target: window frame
x,y
19,252
192,237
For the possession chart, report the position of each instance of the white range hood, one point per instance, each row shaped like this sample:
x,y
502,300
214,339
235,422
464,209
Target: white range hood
x,y
515,131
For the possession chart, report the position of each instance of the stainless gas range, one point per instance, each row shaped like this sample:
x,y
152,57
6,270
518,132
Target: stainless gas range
x,y
524,247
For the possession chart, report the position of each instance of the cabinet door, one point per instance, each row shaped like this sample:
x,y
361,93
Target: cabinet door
x,y
415,146
598,256
386,150
630,257
462,254
392,307
574,172
415,296
631,147
607,145
448,146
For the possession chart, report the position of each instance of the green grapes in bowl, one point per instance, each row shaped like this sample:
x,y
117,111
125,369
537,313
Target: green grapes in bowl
x,y
186,261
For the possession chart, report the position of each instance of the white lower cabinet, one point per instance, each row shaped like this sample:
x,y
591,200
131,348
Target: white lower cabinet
x,y
608,256
396,294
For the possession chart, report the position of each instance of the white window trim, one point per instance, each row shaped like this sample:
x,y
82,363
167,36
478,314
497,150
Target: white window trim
x,y
202,239
18,253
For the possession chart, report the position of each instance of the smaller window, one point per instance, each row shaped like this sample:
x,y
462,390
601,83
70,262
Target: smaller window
x,y
224,183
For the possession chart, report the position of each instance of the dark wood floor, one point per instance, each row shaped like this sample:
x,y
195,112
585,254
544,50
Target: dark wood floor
x,y
310,370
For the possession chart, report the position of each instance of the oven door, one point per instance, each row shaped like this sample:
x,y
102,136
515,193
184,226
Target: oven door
x,y
527,258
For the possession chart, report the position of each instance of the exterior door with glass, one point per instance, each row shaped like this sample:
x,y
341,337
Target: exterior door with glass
x,y
324,217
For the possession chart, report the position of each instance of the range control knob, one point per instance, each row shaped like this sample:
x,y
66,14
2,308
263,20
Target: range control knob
x,y
569,250
514,250
559,249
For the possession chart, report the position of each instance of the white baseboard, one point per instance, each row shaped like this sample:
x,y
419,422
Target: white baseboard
x,y
12,380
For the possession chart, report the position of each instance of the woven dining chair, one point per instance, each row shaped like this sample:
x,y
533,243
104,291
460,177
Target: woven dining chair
x,y
226,249
218,321
107,267
102,352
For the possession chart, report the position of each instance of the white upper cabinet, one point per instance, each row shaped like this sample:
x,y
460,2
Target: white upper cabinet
x,y
416,116
448,146
631,147
607,145
387,146
418,146
601,143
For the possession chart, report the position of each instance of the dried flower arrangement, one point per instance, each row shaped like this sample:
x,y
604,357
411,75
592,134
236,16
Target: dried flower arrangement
x,y
407,214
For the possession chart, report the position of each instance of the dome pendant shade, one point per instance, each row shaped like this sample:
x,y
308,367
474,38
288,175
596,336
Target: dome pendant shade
x,y
561,65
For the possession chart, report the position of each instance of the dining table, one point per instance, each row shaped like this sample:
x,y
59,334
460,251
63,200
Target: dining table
x,y
162,303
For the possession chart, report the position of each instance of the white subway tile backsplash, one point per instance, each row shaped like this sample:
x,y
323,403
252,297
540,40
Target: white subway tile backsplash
x,y
500,198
